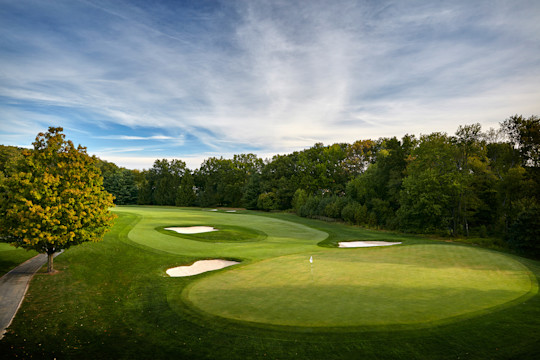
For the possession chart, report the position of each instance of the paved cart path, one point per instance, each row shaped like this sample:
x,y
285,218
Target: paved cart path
x,y
13,286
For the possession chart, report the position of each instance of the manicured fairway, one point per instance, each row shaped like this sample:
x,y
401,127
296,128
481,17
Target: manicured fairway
x,y
424,299
280,237
401,285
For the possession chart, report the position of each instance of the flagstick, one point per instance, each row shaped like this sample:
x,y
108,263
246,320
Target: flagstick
x,y
311,262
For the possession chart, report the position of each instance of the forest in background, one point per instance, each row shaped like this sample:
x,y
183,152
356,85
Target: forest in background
x,y
470,184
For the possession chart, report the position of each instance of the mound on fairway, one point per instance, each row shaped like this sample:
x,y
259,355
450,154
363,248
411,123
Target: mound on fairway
x,y
236,237
192,229
355,244
407,286
200,267
215,234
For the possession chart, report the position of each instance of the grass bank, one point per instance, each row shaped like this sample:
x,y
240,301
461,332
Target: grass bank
x,y
11,256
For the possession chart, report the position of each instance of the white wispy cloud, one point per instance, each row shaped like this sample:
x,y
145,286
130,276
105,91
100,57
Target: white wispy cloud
x,y
267,76
130,137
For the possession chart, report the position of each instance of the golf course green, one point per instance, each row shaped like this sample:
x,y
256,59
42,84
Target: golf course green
x,y
404,285
422,299
278,285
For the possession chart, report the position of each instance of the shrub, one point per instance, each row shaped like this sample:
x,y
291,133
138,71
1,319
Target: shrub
x,y
382,211
309,209
347,213
483,231
524,233
268,201
299,199
323,203
354,213
332,210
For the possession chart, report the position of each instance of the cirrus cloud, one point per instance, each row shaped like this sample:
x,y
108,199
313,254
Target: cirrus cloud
x,y
223,77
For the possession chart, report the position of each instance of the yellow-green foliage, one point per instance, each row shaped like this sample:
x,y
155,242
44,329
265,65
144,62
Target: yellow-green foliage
x,y
53,197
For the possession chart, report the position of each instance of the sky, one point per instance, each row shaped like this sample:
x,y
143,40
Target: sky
x,y
135,81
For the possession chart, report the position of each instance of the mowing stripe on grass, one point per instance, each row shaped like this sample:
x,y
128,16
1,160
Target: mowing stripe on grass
x,y
283,237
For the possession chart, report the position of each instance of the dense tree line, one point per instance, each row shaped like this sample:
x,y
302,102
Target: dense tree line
x,y
472,183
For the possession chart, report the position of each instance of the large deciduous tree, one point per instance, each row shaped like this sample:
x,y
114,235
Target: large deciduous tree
x,y
119,182
222,182
525,136
53,198
185,196
430,186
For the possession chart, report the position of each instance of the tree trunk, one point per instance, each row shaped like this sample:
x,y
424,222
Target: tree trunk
x,y
50,257
454,222
465,223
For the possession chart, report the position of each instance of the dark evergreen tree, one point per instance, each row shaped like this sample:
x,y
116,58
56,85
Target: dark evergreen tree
x,y
185,195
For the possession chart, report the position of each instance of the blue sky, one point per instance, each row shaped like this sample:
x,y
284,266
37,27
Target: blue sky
x,y
135,81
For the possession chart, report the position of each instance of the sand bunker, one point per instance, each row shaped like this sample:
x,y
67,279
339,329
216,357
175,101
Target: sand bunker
x,y
353,244
200,267
192,229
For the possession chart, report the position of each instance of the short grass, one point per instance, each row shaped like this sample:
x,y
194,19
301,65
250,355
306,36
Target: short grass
x,y
11,256
404,285
224,233
113,300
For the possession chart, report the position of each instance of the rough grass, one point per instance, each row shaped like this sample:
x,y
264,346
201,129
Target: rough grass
x,y
11,256
112,300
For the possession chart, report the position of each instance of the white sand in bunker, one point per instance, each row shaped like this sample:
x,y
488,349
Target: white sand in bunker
x,y
199,267
192,229
354,244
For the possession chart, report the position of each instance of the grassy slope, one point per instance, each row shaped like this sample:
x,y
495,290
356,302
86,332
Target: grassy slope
x,y
110,299
11,256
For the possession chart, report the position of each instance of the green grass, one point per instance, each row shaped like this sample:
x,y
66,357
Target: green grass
x,y
225,233
11,256
113,300
405,285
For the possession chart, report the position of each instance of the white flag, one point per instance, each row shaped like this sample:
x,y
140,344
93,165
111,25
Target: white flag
x,y
311,259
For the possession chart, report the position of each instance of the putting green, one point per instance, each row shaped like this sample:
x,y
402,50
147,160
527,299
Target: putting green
x,y
407,285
